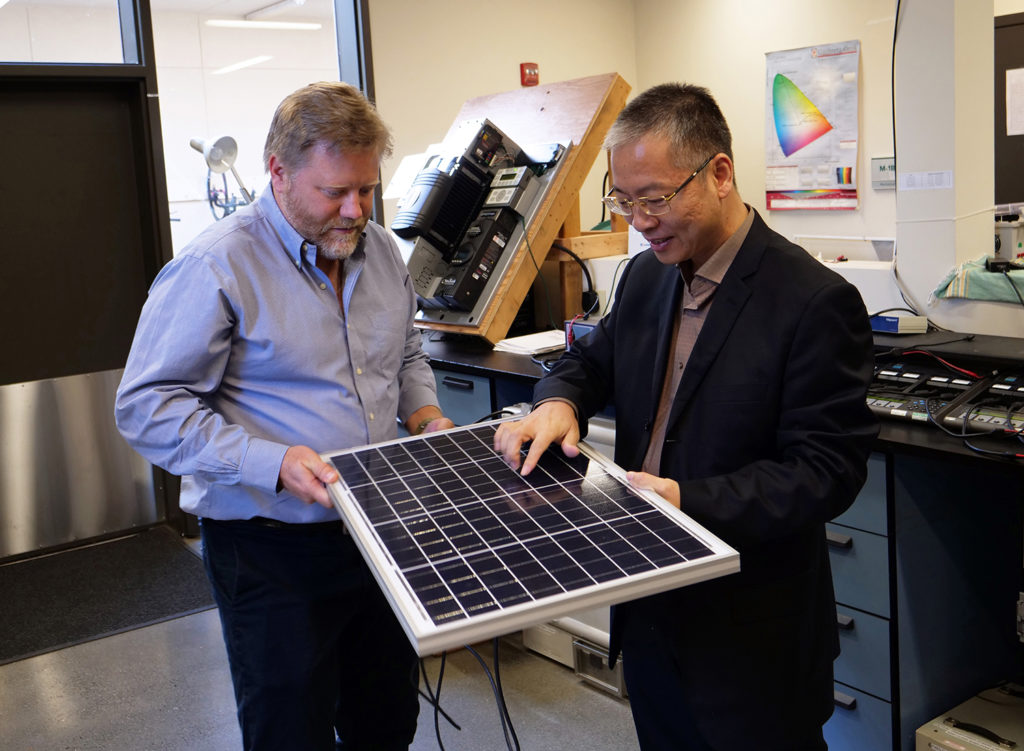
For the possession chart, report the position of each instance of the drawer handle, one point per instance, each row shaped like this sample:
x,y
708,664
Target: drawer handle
x,y
837,540
845,622
457,383
843,701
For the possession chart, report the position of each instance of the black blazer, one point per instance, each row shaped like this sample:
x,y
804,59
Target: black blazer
x,y
768,437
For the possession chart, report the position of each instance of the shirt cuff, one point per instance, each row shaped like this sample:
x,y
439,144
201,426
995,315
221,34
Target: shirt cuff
x,y
561,399
261,465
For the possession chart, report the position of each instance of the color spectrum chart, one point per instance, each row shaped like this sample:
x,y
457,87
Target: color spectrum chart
x,y
466,549
798,122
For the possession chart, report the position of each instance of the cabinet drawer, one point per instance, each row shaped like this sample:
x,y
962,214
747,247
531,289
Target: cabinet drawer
x,y
509,392
860,568
859,722
868,512
864,660
463,398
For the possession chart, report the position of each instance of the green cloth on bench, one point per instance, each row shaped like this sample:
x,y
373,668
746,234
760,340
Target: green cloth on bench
x,y
973,281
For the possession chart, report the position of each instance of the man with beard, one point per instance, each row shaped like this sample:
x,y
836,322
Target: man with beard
x,y
284,330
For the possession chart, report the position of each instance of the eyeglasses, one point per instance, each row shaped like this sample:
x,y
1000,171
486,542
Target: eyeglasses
x,y
650,206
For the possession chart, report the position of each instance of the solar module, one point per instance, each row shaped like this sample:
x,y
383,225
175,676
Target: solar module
x,y
466,548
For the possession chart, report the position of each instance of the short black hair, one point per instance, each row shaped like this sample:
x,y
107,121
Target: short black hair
x,y
687,114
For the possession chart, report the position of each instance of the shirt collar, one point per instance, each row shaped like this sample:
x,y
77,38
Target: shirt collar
x,y
292,241
714,269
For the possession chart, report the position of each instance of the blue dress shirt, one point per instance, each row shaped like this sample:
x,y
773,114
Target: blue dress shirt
x,y
242,351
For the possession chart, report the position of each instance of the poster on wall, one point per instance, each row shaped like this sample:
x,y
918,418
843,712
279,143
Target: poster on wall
x,y
811,128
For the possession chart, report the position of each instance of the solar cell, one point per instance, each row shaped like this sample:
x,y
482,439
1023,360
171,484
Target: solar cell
x,y
466,548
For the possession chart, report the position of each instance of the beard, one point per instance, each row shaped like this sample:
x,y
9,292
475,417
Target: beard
x,y
337,245
329,242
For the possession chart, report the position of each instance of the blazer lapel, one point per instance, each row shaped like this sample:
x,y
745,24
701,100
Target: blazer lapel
x,y
728,301
670,288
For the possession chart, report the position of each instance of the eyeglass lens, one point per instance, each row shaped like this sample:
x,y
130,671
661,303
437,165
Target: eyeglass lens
x,y
651,206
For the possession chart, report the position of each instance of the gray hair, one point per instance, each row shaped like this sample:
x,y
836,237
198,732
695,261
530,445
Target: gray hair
x,y
330,112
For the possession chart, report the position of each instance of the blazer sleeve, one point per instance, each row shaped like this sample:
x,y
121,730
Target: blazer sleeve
x,y
584,375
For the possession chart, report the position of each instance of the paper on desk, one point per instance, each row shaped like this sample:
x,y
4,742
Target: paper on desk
x,y
533,344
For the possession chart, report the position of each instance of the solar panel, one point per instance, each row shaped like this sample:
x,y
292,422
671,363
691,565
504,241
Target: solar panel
x,y
466,548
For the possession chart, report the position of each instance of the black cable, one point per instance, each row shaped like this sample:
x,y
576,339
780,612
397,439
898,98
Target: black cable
x,y
495,415
989,452
501,693
586,273
1013,409
615,280
547,363
962,434
1013,286
511,740
897,351
891,310
435,701
434,697
895,155
965,421
892,86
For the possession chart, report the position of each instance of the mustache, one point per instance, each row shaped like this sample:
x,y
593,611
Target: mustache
x,y
347,224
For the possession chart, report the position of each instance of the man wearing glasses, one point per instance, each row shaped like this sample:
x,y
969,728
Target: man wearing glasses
x,y
738,368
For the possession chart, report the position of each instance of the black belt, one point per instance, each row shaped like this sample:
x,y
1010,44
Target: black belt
x,y
332,527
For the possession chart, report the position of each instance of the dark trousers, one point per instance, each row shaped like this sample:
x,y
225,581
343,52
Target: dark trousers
x,y
313,645
662,714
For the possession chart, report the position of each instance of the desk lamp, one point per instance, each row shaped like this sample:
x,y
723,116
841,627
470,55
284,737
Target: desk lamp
x,y
220,155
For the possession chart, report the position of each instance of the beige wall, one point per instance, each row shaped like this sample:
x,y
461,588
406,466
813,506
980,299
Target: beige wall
x,y
721,44
430,57
427,61
1006,7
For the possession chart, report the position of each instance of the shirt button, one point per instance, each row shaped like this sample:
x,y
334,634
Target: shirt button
x,y
323,286
371,417
359,371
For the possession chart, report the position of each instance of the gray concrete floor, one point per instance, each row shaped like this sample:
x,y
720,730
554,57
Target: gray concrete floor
x,y
166,687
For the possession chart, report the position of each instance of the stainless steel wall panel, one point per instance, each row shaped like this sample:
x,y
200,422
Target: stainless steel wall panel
x,y
65,472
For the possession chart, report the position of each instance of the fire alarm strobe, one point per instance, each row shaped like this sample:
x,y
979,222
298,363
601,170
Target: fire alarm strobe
x,y
529,74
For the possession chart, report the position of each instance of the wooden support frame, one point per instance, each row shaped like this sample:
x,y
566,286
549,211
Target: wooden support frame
x,y
568,273
581,111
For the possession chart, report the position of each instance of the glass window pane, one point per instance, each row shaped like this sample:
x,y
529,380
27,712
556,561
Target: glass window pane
x,y
226,79
86,31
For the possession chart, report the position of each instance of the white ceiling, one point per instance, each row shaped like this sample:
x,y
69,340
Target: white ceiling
x,y
238,8
225,8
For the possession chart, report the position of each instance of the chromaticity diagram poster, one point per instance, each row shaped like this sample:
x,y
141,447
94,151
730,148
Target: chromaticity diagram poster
x,y
811,127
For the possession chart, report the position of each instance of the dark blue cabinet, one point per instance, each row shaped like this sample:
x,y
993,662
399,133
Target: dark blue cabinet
x,y
926,565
